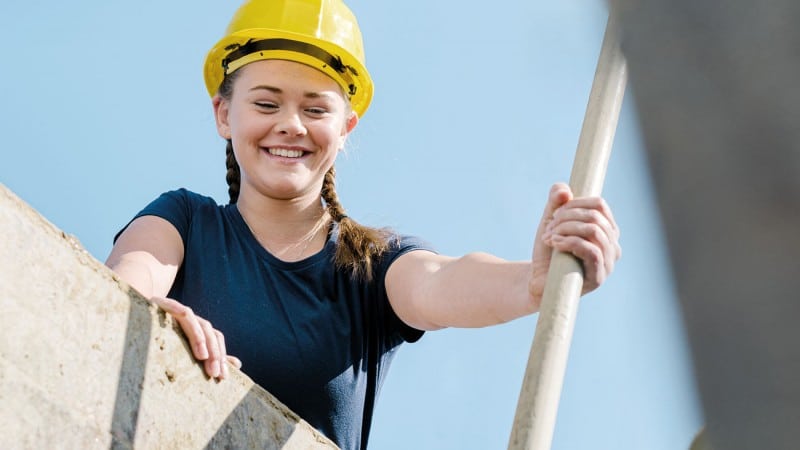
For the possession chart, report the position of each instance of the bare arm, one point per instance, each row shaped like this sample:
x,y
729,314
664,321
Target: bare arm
x,y
147,256
429,291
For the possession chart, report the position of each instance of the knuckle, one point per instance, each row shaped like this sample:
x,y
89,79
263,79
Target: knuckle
x,y
590,232
199,341
594,256
595,216
600,206
595,233
183,312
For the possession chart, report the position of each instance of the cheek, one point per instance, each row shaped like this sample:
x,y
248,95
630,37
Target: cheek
x,y
335,133
244,127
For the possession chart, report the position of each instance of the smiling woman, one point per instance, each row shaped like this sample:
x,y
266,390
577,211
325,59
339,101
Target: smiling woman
x,y
313,304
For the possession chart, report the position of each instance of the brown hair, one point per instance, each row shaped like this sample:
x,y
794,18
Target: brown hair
x,y
358,246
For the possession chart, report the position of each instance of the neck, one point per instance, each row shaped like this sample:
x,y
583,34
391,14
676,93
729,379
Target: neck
x,y
289,229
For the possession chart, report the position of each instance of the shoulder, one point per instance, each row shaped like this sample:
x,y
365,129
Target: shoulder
x,y
179,207
180,204
185,197
399,245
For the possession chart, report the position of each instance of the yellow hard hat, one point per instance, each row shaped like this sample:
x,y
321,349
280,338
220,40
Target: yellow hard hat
x,y
323,34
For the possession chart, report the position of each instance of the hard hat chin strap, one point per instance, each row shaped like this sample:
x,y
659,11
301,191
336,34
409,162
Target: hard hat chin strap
x,y
254,50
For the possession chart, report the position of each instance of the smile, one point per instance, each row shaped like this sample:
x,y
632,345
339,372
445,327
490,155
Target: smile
x,y
286,153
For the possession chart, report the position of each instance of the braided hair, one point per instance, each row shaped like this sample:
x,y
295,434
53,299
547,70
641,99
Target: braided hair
x,y
233,176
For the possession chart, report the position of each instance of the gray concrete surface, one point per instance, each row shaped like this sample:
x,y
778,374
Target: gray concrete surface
x,y
717,88
86,362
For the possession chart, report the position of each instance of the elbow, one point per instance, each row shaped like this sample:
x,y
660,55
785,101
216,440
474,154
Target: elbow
x,y
134,273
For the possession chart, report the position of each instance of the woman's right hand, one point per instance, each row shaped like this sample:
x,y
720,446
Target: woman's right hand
x,y
206,342
147,256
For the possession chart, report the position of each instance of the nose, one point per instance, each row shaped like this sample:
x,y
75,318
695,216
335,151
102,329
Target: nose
x,y
290,124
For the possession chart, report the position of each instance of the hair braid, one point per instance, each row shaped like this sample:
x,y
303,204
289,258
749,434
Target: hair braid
x,y
358,245
233,176
335,208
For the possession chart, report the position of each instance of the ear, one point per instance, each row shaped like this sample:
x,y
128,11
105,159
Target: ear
x,y
350,123
221,109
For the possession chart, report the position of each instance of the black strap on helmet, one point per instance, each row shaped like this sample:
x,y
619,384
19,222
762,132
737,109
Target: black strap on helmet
x,y
254,46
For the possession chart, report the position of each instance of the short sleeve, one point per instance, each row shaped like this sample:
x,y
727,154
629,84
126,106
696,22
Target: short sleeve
x,y
402,245
176,207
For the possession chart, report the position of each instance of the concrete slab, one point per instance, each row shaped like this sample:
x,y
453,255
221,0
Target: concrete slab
x,y
86,362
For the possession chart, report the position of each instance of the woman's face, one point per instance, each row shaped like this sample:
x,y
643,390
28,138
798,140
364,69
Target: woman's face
x,y
287,122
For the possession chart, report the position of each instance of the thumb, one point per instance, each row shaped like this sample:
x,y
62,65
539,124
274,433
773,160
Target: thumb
x,y
560,193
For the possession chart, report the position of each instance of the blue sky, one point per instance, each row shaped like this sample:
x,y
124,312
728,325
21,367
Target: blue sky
x,y
477,111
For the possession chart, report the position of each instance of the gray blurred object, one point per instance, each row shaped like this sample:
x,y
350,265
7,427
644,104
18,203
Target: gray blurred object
x,y
717,87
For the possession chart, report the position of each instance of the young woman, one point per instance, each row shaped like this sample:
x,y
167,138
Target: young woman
x,y
312,303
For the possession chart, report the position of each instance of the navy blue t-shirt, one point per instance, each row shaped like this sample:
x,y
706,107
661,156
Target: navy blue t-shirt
x,y
305,331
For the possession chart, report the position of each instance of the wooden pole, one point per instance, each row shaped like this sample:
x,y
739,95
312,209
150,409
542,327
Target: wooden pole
x,y
541,388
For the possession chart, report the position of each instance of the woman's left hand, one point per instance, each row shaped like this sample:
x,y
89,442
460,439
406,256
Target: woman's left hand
x,y
583,227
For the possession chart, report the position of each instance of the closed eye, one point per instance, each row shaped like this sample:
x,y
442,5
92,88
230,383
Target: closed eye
x,y
266,105
316,111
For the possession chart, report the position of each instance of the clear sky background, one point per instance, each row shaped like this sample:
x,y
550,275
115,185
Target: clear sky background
x,y
477,111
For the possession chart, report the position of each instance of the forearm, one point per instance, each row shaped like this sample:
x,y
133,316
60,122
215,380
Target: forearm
x,y
477,290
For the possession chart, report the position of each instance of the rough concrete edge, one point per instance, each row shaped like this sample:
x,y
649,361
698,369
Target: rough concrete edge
x,y
85,258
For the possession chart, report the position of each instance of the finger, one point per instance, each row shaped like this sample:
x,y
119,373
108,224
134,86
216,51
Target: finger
x,y
189,324
596,204
590,255
602,215
212,364
223,355
587,223
234,361
570,220
595,233
558,196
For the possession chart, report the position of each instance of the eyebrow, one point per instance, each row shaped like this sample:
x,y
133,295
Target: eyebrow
x,y
265,87
276,90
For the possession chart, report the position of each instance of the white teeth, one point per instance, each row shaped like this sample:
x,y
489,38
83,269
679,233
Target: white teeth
x,y
285,152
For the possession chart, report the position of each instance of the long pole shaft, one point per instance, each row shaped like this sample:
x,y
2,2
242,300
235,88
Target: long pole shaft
x,y
537,407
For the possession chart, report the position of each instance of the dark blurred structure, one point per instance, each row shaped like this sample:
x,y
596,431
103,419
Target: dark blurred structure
x,y
717,87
